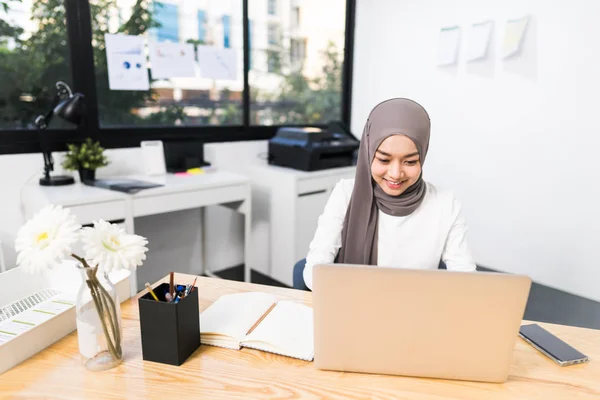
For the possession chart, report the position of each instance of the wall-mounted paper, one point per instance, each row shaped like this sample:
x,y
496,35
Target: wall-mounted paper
x,y
126,62
514,35
478,40
171,60
217,63
448,45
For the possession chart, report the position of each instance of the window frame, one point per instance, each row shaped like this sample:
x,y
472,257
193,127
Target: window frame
x,y
79,34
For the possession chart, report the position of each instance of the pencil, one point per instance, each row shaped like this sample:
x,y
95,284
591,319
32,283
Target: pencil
x,y
193,285
171,285
151,291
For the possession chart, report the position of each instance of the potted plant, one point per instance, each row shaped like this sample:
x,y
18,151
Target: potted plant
x,y
85,158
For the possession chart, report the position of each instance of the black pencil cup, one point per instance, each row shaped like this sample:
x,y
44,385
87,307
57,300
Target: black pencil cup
x,y
170,331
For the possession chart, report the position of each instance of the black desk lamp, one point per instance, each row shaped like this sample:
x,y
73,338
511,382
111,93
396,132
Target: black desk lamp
x,y
69,107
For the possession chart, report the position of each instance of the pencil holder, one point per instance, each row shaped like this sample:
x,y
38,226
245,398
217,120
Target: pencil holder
x,y
170,331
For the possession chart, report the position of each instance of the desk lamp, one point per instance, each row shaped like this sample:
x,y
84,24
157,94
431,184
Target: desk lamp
x,y
69,107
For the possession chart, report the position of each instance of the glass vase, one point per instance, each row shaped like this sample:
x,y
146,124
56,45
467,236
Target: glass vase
x,y
99,328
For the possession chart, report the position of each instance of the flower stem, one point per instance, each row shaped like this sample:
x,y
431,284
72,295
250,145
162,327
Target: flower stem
x,y
104,304
109,304
99,309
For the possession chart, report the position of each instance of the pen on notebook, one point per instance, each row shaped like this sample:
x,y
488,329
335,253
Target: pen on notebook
x,y
151,291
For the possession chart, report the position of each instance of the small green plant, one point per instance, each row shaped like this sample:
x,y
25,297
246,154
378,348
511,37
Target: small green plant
x,y
87,155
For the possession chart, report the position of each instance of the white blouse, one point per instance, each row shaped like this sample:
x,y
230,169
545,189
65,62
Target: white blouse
x,y
435,231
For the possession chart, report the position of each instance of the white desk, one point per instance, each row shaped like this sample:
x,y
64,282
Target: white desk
x,y
287,204
178,193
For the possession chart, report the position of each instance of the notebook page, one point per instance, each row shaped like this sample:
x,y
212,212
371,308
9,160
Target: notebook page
x,y
286,330
234,314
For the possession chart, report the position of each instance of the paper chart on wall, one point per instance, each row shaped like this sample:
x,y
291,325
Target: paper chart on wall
x,y
448,46
514,36
126,62
478,40
171,60
217,63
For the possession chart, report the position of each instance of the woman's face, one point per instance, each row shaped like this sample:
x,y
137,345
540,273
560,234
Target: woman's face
x,y
396,165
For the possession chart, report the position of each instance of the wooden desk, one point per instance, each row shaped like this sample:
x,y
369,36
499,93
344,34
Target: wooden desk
x,y
212,372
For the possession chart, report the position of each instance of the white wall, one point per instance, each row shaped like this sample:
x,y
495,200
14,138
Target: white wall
x,y
517,141
174,238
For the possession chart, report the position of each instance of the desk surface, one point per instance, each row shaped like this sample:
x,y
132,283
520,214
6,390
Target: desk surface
x,y
213,372
38,196
83,194
177,183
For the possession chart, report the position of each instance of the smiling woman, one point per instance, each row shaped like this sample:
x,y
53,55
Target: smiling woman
x,y
396,166
388,215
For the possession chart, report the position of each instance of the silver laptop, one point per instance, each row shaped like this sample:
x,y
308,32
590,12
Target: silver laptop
x,y
425,323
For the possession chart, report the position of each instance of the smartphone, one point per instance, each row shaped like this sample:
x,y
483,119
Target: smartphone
x,y
554,348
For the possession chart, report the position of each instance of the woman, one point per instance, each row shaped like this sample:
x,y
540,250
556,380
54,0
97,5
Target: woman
x,y
388,215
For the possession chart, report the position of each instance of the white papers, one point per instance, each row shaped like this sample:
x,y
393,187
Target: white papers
x,y
513,36
217,63
286,330
126,62
171,60
448,45
479,40
234,314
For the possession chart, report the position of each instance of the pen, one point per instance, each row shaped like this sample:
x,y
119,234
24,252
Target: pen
x,y
151,291
179,297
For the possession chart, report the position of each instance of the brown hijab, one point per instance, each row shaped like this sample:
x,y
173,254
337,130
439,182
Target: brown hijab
x,y
359,234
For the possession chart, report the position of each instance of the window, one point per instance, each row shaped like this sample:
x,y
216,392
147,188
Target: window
x,y
295,17
272,5
273,62
273,34
201,26
34,55
226,31
167,22
297,73
177,101
297,53
294,76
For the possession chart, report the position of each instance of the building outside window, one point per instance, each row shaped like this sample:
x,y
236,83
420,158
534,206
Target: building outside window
x,y
167,19
297,54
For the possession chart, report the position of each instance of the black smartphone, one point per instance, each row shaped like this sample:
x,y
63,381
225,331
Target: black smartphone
x,y
551,346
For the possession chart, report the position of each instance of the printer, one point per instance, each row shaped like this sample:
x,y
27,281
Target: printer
x,y
312,149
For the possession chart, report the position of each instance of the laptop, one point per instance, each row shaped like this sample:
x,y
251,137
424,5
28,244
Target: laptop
x,y
422,323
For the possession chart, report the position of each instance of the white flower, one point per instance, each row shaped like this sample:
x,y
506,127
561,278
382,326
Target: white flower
x,y
109,247
46,239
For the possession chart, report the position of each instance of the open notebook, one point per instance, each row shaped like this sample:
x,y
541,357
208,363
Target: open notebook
x,y
257,320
